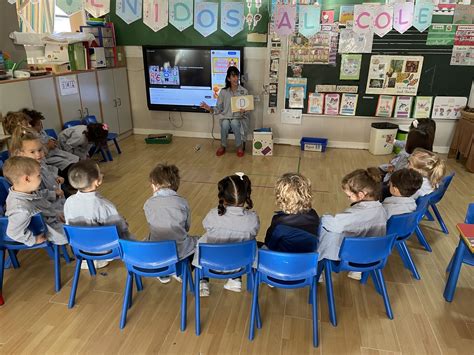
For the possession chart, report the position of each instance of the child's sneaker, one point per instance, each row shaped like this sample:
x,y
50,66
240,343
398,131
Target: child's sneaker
x,y
204,289
177,278
164,279
98,264
321,278
234,285
354,275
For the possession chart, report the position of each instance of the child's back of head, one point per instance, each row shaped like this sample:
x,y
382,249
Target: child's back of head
x,y
17,167
36,118
407,181
14,119
97,133
428,164
364,183
164,176
293,193
234,190
83,174
418,138
428,126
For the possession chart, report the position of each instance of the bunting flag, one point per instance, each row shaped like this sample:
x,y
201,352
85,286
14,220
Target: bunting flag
x,y
232,17
309,20
383,19
206,17
12,2
423,15
285,19
402,16
181,13
128,10
69,6
155,14
96,8
363,19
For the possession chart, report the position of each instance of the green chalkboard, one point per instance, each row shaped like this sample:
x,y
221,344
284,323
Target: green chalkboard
x,y
138,34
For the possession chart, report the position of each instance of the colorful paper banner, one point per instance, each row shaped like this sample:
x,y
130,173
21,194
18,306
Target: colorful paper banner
x,y
181,14
232,17
402,16
285,19
70,6
423,15
363,18
129,10
155,14
309,20
206,17
383,19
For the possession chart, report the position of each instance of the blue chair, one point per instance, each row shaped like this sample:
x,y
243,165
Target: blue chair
x,y
289,239
462,254
37,226
422,205
4,155
220,261
289,271
72,123
435,198
51,132
110,137
91,243
154,259
362,254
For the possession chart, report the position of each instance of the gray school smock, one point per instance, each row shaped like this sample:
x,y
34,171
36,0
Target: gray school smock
x,y
395,205
399,162
92,209
425,189
73,140
364,219
49,185
21,207
223,106
57,157
237,224
169,218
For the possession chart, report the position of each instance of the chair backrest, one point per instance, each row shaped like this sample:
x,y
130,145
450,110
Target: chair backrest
x,y
227,257
365,253
4,155
72,123
94,242
149,258
403,225
51,132
470,214
4,189
294,240
89,119
294,269
37,226
438,194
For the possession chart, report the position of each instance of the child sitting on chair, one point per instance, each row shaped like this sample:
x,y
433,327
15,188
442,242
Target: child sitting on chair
x,y
23,202
365,218
14,119
293,197
403,184
430,166
168,214
79,139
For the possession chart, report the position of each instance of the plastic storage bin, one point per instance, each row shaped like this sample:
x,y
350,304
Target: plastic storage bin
x,y
402,135
379,132
314,144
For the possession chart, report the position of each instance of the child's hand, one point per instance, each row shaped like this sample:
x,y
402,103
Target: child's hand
x,y
205,106
59,193
60,217
390,169
60,180
40,238
52,144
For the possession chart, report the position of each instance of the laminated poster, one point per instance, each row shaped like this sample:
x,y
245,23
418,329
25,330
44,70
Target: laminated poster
x,y
295,82
350,66
296,98
385,106
403,106
331,104
448,107
346,14
316,103
422,107
348,104
351,42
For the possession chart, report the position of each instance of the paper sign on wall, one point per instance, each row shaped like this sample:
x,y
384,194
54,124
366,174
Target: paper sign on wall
x,y
129,10
68,85
205,17
155,14
423,15
181,14
402,16
96,8
363,18
69,6
383,18
289,116
309,20
285,20
232,17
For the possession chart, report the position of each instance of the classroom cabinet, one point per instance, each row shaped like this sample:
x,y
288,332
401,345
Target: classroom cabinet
x,y
43,94
14,96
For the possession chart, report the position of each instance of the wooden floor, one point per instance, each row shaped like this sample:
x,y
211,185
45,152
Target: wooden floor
x,y
36,320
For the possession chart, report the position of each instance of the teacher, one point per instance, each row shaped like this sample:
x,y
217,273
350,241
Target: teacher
x,y
223,108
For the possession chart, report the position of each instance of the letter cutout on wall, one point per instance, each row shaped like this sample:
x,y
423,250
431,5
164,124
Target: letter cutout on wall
x,y
383,20
69,6
309,20
206,17
423,15
129,10
285,19
155,14
232,17
402,16
364,18
96,8
181,13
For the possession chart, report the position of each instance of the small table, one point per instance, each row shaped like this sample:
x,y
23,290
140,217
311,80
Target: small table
x,y
464,253
463,143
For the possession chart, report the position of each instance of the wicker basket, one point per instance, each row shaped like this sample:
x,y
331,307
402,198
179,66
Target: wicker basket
x,y
467,115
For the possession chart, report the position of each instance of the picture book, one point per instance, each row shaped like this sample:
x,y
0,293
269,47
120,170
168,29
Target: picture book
x,y
331,104
348,104
403,106
385,106
316,103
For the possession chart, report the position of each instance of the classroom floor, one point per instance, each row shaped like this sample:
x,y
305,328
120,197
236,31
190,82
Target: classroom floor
x,y
36,320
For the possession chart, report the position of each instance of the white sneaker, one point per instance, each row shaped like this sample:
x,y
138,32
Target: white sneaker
x,y
98,264
234,285
354,275
177,278
321,278
204,289
164,279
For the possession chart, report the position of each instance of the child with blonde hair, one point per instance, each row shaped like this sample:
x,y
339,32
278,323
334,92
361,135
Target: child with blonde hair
x,y
14,119
430,166
293,197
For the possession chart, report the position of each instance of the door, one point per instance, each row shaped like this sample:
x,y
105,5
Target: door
x,y
69,99
44,101
108,99
89,95
123,100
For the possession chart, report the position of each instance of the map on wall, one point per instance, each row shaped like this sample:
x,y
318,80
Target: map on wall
x,y
394,75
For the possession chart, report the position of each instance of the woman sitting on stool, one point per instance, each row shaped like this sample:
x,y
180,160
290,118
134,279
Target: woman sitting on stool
x,y
223,108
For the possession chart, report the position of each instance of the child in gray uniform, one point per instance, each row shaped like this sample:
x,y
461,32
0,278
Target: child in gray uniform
x,y
87,207
403,184
430,166
23,202
168,214
231,222
79,139
365,218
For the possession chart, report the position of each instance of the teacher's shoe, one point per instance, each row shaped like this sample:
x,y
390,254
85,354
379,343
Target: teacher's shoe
x,y
220,151
240,152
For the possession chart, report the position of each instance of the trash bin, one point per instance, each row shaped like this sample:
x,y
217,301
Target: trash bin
x,y
402,135
379,132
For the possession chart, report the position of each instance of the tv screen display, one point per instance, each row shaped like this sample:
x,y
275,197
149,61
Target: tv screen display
x,y
179,79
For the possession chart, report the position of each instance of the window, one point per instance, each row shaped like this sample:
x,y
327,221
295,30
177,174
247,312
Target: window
x,y
61,21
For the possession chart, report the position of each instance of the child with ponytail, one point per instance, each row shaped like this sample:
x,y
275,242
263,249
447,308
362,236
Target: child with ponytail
x,y
430,166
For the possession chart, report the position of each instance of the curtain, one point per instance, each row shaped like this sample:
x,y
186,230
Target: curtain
x,y
36,15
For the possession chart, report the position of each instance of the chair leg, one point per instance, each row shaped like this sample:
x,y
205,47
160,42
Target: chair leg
x,y
190,278
130,294
422,239
109,154
250,277
454,273
364,278
126,297
57,268
197,301
75,282
386,300
428,215
407,259
91,266
376,282
253,309
2,267
65,254
448,269
138,281
13,259
330,293
440,219
184,293
315,313
117,146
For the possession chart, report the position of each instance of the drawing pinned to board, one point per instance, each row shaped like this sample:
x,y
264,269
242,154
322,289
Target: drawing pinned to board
x,y
331,104
327,16
422,106
351,42
350,66
385,106
346,14
348,104
448,106
296,97
295,82
403,106
319,49
316,103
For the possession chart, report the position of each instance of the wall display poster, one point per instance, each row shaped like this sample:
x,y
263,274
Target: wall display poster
x,y
448,107
295,82
394,75
331,104
463,14
464,35
316,103
68,85
327,16
296,97
350,66
351,42
463,50
441,35
325,88
348,104
275,55
319,49
385,106
347,88
291,116
422,107
403,106
346,14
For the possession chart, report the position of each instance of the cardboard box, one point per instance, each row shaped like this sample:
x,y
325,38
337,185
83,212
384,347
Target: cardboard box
x,y
262,142
56,52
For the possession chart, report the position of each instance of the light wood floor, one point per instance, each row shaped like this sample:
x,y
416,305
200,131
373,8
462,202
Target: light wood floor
x,y
36,320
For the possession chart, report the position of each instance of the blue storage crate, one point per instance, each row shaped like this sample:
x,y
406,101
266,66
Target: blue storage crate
x,y
314,144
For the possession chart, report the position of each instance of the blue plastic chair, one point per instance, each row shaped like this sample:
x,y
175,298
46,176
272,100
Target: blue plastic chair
x,y
72,123
37,226
289,239
289,271
110,137
154,259
422,205
362,254
435,198
91,243
462,254
51,132
219,261
4,155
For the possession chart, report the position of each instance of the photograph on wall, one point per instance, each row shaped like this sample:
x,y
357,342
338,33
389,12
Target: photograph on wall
x,y
327,16
394,75
296,97
350,66
351,42
385,106
403,106
348,104
319,49
422,107
295,82
448,107
316,103
331,104
346,14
